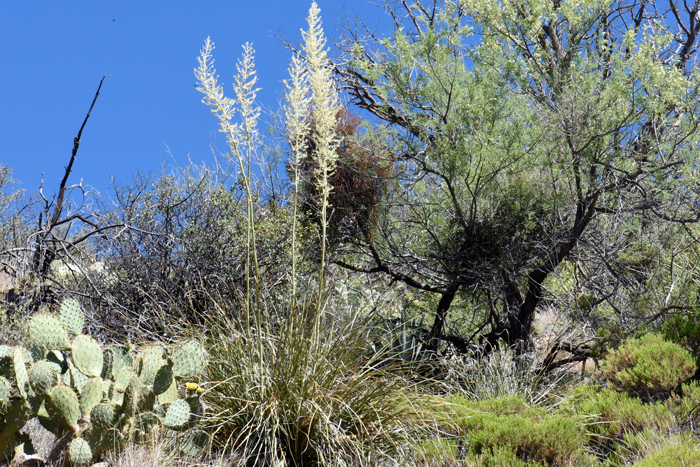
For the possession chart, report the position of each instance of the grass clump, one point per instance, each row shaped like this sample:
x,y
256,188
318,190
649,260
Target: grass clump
x,y
302,400
648,367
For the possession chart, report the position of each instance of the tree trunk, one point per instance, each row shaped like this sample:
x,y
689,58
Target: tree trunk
x,y
439,322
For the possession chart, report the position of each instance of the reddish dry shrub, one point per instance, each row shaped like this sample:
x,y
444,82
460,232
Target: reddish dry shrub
x,y
360,182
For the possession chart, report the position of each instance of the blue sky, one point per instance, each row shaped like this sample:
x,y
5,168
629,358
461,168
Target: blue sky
x,y
54,54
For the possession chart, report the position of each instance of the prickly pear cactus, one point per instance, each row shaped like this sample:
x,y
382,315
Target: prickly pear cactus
x,y
72,316
94,399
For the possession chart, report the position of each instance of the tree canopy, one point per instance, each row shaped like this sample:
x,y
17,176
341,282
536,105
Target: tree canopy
x,y
526,135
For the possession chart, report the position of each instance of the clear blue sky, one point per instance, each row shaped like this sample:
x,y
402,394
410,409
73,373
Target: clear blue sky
x,y
54,54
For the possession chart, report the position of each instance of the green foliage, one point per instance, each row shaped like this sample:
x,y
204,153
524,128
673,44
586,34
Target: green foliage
x,y
533,435
649,367
685,453
99,396
616,413
684,329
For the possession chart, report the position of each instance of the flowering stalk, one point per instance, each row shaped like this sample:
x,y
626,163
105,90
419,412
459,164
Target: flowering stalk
x,y
324,106
242,138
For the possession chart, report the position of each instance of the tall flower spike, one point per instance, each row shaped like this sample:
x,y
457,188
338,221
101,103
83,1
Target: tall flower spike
x,y
324,107
297,108
324,100
242,138
297,124
244,87
221,106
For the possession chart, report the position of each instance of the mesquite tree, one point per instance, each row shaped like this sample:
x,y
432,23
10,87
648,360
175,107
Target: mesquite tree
x,y
526,133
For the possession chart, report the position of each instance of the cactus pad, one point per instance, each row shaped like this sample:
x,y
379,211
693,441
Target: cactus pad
x,y
63,406
121,381
74,377
48,332
5,391
72,316
21,375
104,416
194,443
6,351
150,361
37,353
178,414
80,452
116,357
91,395
57,361
188,359
170,395
163,379
133,396
42,377
87,355
28,358
6,355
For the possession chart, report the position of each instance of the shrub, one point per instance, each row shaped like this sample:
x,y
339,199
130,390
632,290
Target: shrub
x,y
684,329
509,425
615,413
648,367
685,453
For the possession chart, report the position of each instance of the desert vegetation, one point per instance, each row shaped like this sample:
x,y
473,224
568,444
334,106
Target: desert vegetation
x,y
468,241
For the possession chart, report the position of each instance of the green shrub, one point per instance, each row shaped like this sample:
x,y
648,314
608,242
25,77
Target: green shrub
x,y
614,413
685,453
648,367
500,456
684,329
498,426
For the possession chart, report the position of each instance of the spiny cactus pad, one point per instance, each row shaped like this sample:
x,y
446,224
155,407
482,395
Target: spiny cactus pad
x,y
80,452
133,396
74,377
72,316
21,375
150,361
48,332
194,443
57,361
6,351
116,357
91,395
178,414
42,377
104,416
188,359
170,395
63,406
121,381
5,391
163,379
87,355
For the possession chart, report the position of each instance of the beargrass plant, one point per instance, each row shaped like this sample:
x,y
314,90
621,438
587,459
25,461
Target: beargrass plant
x,y
500,373
299,390
312,401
